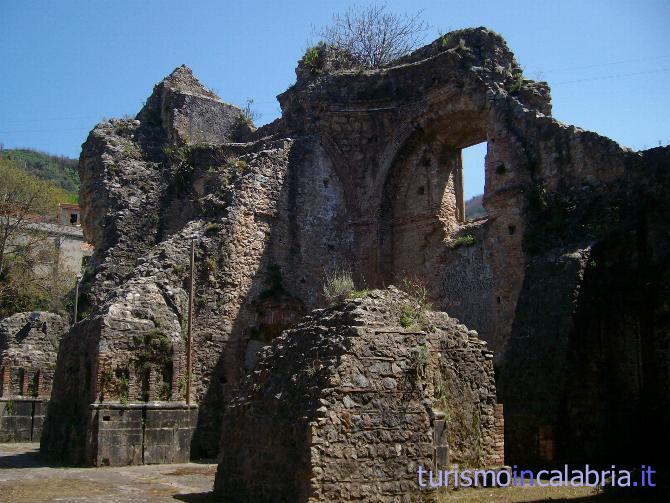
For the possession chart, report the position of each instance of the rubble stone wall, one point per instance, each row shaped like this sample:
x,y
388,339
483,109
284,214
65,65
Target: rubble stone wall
x,y
349,404
28,348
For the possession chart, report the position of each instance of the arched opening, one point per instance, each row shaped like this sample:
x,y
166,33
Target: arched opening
x,y
424,195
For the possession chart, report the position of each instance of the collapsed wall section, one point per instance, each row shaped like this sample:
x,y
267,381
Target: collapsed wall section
x,y
394,137
132,170
554,193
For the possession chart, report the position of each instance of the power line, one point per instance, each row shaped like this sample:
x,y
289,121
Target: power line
x,y
44,130
607,77
589,79
52,119
599,65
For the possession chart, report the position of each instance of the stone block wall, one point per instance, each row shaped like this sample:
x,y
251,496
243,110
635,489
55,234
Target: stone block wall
x,y
138,433
21,419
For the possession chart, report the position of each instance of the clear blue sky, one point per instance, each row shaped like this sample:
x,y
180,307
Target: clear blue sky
x,y
67,64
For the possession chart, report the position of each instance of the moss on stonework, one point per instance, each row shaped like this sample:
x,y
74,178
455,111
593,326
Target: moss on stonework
x,y
114,384
409,315
156,349
155,353
419,358
182,169
414,311
212,228
237,165
311,58
465,240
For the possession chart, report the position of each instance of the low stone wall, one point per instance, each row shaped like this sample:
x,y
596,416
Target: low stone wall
x,y
141,433
21,419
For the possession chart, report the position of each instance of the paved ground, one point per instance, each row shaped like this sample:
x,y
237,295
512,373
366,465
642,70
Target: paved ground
x,y
24,478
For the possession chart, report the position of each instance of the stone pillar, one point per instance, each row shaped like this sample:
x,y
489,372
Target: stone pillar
x,y
28,375
20,381
134,385
46,382
154,384
36,378
176,375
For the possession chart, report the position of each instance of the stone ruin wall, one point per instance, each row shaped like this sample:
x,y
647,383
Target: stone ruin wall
x,y
348,404
395,138
552,192
368,181
28,348
237,207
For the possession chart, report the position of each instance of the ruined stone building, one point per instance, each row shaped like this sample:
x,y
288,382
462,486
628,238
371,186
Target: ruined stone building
x,y
28,348
566,278
349,403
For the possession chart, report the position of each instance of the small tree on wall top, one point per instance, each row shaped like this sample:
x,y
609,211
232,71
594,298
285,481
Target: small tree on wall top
x,y
374,36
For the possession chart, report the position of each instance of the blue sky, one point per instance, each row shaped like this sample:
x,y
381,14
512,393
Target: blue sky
x,y
68,64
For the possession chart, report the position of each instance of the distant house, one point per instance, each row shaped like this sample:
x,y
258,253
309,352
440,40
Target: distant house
x,y
66,235
68,214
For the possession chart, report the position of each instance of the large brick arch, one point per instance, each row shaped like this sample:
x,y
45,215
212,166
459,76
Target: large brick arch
x,y
421,200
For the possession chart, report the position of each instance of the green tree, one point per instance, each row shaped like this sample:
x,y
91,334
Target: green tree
x,y
60,170
29,273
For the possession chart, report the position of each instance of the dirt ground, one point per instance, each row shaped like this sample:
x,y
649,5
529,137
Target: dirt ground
x,y
24,478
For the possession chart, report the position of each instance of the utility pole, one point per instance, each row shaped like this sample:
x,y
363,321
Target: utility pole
x,y
76,297
189,325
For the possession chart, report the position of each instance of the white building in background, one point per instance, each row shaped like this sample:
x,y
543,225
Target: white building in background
x,y
66,235
68,214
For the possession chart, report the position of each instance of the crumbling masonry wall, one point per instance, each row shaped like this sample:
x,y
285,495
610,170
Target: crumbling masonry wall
x,y
160,193
349,404
28,348
552,191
